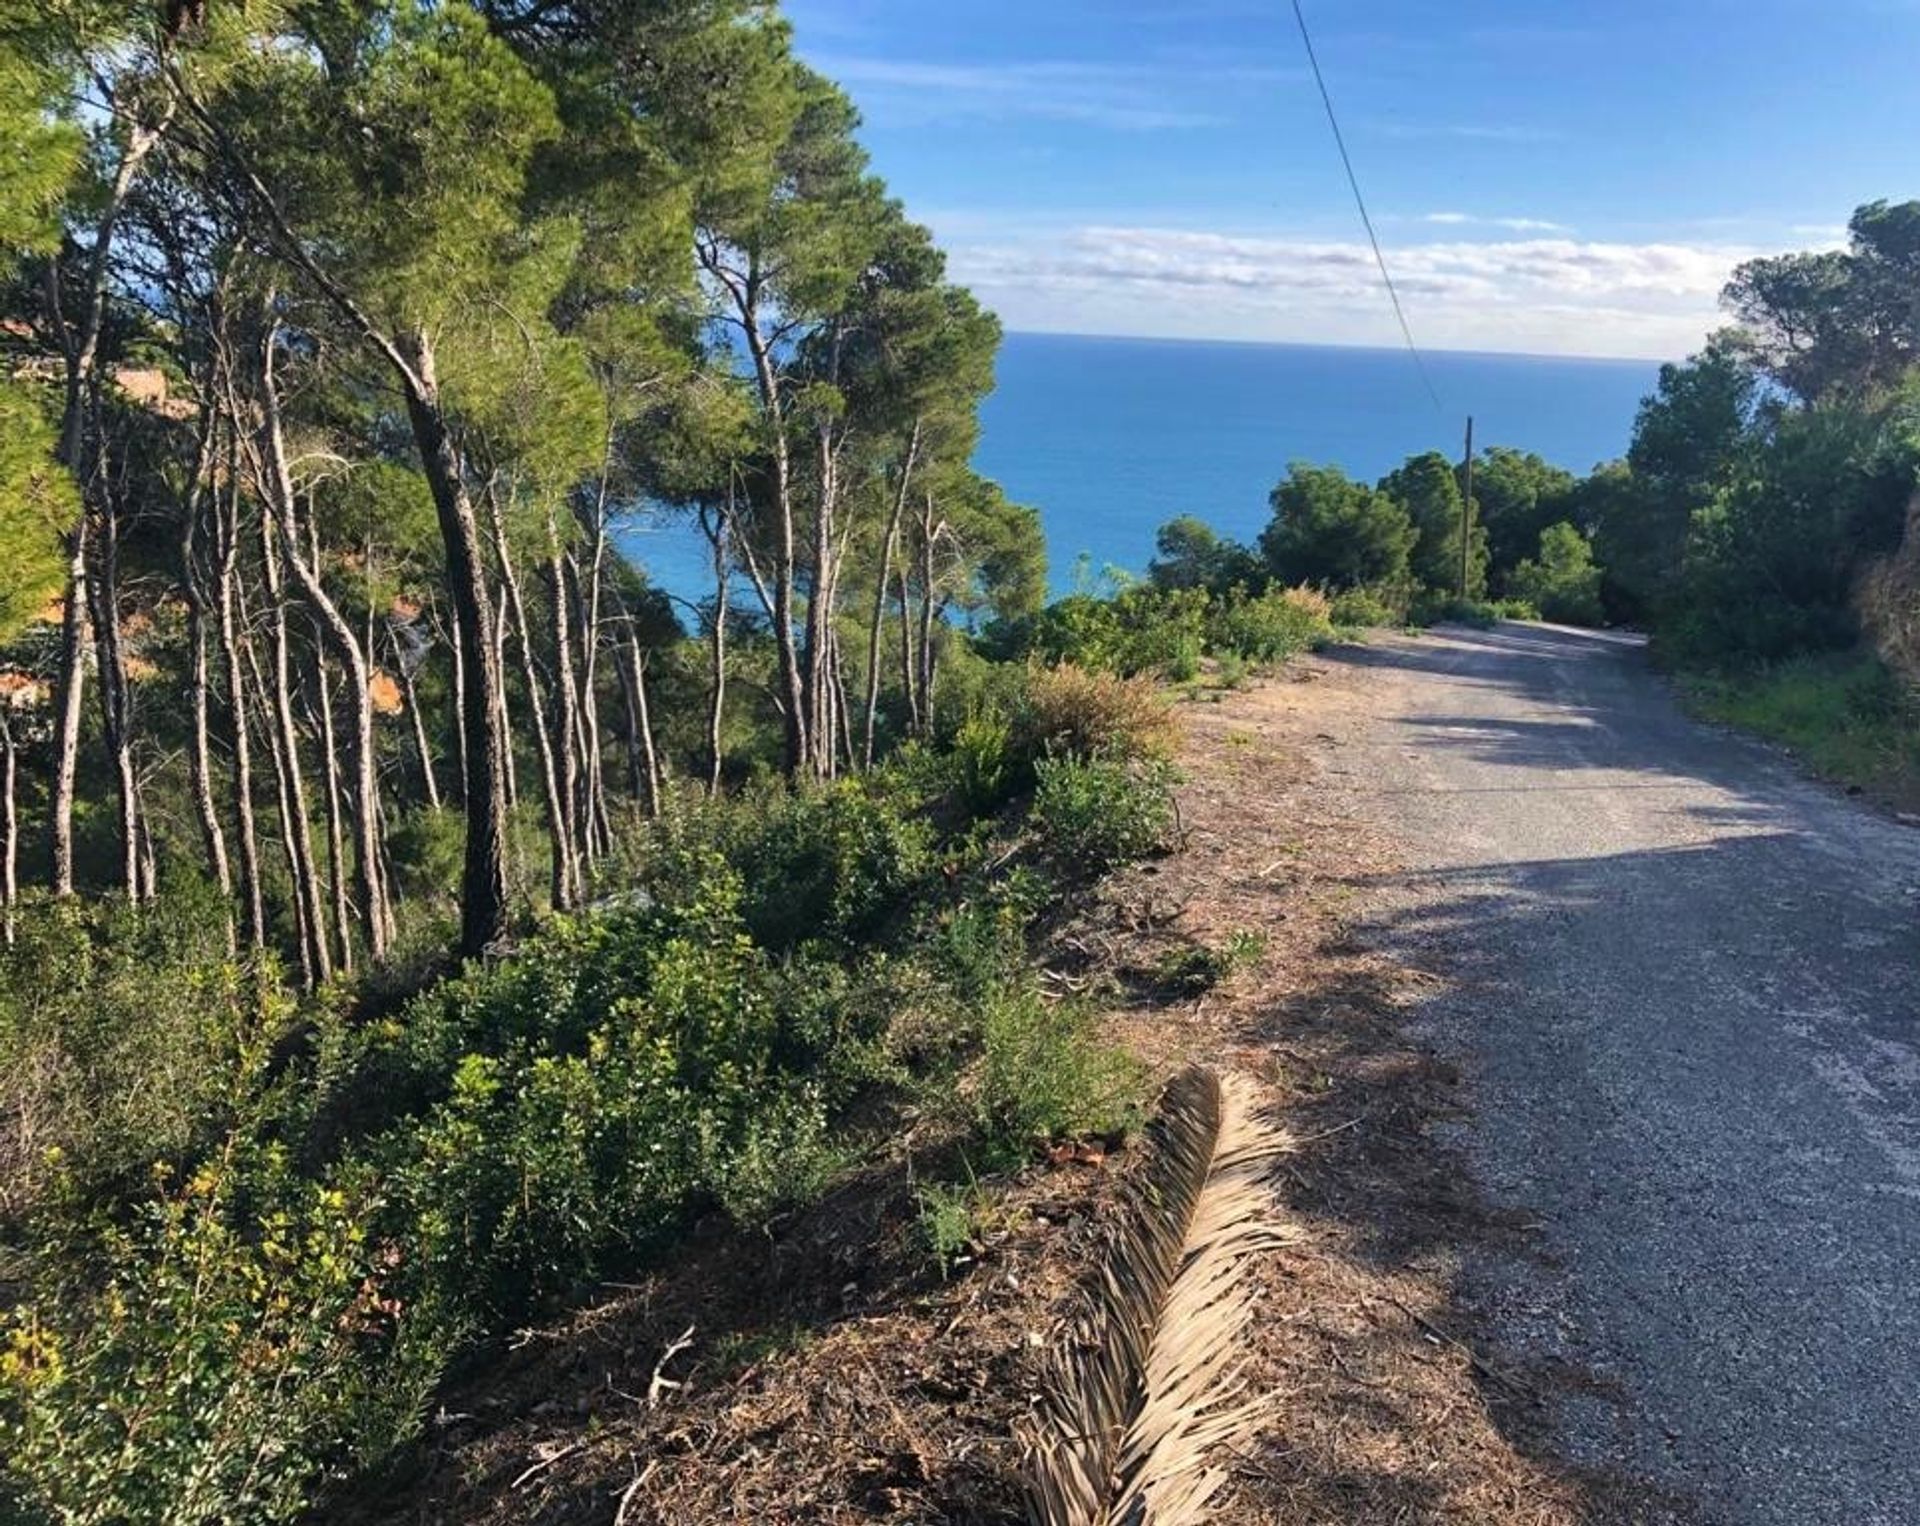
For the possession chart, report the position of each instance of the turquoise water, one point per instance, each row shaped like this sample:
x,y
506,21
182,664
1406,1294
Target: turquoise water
x,y
1110,438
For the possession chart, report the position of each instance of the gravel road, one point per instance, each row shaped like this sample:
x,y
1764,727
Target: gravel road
x,y
1685,1004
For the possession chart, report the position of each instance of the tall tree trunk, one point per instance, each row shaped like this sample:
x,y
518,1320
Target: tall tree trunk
x,y
909,660
503,716
457,645
199,682
566,720
483,885
794,698
880,590
116,700
227,537
340,635
75,634
593,782
641,720
929,537
565,877
322,723
295,820
80,350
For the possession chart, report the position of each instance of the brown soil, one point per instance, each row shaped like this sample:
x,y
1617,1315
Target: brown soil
x,y
830,1375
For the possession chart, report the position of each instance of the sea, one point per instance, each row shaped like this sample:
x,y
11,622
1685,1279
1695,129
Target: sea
x,y
1110,438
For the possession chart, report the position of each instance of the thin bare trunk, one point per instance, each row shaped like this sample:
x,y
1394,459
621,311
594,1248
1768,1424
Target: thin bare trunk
x,y
503,719
116,701
880,591
457,645
716,531
643,724
296,823
199,682
279,492
909,661
566,721
75,641
929,538
227,537
410,692
80,349
565,877
336,834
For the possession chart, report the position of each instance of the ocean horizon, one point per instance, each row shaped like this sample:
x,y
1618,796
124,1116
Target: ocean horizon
x,y
1110,437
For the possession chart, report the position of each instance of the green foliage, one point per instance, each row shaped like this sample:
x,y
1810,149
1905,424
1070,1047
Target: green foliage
x,y
1843,713
1192,555
1045,1074
227,1359
947,1219
38,504
1090,814
1198,967
1272,626
1428,490
1564,584
126,1036
1072,712
1365,609
1334,532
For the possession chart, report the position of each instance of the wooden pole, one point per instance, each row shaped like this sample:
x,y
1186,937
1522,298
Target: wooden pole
x,y
1466,516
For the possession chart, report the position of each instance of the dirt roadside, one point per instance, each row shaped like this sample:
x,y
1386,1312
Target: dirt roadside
x,y
827,1376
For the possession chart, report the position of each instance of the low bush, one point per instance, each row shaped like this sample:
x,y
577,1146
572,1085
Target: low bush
x,y
1091,814
1074,712
1271,626
1045,1074
1367,609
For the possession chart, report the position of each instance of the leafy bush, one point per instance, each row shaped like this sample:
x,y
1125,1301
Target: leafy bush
x,y
126,1035
1073,712
225,1360
1272,626
1045,1074
1366,609
1093,813
1846,714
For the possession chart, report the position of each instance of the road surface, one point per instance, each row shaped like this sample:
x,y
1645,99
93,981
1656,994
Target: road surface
x,y
1687,1003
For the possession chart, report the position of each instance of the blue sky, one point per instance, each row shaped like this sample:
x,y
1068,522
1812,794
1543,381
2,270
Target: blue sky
x,y
1563,179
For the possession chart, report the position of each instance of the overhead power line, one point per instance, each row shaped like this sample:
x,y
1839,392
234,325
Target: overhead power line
x,y
1360,201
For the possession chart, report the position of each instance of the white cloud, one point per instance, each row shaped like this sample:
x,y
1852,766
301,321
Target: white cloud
x,y
1545,295
1105,95
1510,224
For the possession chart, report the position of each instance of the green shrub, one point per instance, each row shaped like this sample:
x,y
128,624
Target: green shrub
x,y
1045,1074
1272,626
221,1365
1199,967
1366,609
127,1035
1091,814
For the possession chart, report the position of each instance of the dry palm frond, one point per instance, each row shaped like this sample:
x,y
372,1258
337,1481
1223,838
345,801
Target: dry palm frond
x,y
1151,1379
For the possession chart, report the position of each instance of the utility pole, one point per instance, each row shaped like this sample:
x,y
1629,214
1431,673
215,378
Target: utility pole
x,y
1466,516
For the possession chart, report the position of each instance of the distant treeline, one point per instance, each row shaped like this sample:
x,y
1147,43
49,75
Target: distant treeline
x,y
1759,513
